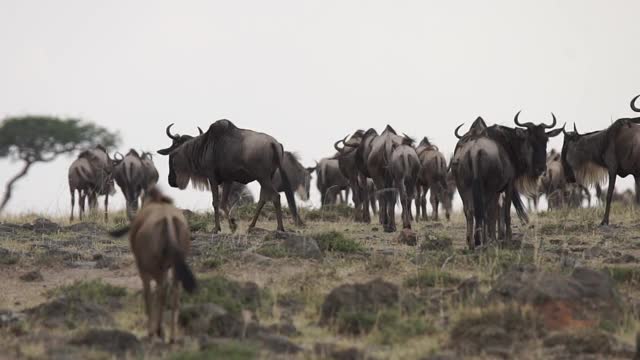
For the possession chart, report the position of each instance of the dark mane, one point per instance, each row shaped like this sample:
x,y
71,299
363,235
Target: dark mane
x,y
390,129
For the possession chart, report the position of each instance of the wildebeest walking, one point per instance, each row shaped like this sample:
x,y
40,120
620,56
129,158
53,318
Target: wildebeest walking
x,y
615,151
131,176
513,164
299,177
433,178
160,240
330,181
91,175
224,154
404,167
352,164
374,155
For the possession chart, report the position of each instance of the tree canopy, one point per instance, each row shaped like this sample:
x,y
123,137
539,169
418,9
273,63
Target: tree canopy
x,y
41,138
33,139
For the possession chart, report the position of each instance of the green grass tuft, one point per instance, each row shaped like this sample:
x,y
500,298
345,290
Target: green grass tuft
x,y
432,278
334,241
230,350
95,291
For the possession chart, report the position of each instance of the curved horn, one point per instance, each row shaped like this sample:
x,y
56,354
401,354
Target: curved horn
x,y
456,131
200,130
173,137
115,156
553,123
564,132
633,104
517,121
338,149
575,129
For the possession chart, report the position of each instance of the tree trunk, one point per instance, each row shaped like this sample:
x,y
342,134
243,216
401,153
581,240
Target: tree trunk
x,y
9,187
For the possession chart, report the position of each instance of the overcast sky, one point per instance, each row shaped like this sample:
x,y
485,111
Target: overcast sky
x,y
308,72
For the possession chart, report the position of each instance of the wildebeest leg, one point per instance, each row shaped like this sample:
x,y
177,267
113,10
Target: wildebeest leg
x,y
391,205
146,294
175,307
417,202
259,207
226,189
161,296
507,213
612,187
216,205
364,199
433,199
468,214
81,201
406,222
73,202
355,190
423,202
106,207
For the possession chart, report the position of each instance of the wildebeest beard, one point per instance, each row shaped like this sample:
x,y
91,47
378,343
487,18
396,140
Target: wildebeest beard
x,y
588,168
193,155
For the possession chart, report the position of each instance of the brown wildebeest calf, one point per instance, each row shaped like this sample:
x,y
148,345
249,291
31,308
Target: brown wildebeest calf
x,y
160,240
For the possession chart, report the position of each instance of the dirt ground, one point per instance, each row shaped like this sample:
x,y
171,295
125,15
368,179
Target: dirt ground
x,y
563,289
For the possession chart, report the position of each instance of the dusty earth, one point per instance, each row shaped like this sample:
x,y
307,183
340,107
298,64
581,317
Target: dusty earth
x,y
564,289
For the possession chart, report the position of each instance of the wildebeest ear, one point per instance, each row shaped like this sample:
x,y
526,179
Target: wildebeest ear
x,y
166,151
555,132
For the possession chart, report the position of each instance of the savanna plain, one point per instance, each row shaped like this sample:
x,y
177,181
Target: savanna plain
x,y
563,289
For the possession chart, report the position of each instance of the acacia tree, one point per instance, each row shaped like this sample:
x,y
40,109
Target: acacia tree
x,y
33,139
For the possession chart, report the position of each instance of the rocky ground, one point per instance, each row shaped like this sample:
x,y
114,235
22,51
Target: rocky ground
x,y
564,289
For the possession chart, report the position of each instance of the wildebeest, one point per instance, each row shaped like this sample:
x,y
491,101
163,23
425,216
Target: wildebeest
x,y
404,167
299,176
352,165
239,195
160,240
224,154
374,155
131,176
150,172
330,181
511,162
91,175
615,151
432,177
553,185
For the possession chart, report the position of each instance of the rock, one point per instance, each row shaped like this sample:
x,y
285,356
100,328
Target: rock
x,y
495,330
292,245
407,237
88,227
357,302
32,276
42,226
623,259
69,312
112,341
278,344
436,244
580,300
211,319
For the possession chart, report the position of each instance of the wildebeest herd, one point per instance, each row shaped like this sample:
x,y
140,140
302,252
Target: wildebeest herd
x,y
491,167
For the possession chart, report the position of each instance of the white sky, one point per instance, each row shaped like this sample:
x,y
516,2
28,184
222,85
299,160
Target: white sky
x,y
308,72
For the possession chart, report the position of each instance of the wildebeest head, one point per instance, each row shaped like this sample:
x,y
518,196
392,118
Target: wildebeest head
x,y
178,163
538,136
570,155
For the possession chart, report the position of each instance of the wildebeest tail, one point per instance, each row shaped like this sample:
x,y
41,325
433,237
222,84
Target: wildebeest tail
x,y
519,205
476,190
181,269
288,190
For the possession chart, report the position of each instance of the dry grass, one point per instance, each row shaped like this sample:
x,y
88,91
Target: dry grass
x,y
353,253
